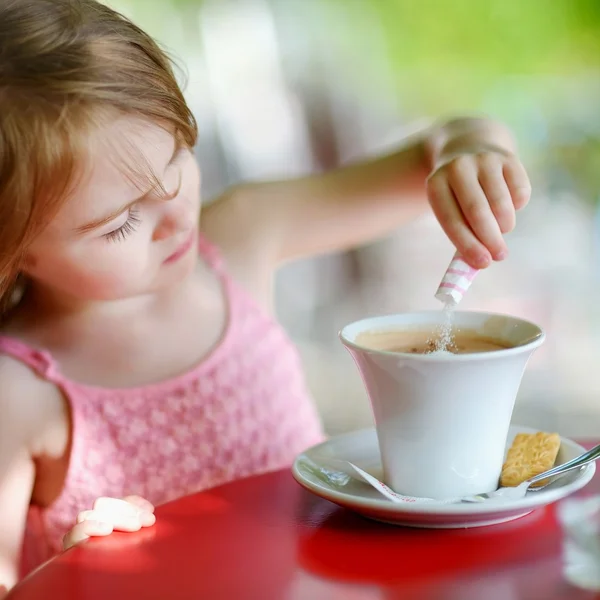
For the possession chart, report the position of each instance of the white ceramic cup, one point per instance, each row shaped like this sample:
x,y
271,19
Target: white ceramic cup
x,y
442,420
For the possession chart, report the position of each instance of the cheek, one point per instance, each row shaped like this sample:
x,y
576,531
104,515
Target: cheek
x,y
94,268
101,283
95,271
115,269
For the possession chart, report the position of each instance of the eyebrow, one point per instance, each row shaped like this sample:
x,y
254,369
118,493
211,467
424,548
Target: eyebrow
x,y
108,218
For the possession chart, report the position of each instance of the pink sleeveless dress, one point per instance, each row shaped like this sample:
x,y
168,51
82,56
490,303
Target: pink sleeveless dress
x,y
236,414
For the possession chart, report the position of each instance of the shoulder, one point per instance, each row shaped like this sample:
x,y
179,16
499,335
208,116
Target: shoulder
x,y
30,407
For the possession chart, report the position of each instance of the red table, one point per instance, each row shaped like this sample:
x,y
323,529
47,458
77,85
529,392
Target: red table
x,y
266,538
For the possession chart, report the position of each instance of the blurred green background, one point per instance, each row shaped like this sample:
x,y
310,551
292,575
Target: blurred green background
x,y
283,87
532,63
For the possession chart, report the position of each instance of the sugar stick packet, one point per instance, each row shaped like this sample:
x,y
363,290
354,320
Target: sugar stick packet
x,y
456,281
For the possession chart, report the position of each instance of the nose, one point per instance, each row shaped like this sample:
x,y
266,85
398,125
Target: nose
x,y
174,217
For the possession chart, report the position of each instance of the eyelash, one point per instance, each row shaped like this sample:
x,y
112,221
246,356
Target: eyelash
x,y
129,227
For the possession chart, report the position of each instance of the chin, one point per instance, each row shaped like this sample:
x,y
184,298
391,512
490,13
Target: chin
x,y
166,277
177,272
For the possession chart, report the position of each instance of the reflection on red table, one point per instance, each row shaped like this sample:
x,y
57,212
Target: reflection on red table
x,y
266,538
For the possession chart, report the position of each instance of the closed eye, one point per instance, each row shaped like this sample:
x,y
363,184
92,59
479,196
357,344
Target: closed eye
x,y
129,227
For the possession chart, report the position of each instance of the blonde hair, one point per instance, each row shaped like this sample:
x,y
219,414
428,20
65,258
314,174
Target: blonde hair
x,y
63,65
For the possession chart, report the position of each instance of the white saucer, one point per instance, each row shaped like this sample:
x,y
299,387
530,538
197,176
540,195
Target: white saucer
x,y
361,448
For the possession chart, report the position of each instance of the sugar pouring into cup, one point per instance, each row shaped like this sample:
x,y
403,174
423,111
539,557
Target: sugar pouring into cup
x,y
454,284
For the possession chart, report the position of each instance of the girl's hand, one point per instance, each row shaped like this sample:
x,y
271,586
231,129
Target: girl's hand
x,y
474,194
108,515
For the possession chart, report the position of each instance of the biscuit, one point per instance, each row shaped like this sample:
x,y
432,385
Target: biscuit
x,y
530,454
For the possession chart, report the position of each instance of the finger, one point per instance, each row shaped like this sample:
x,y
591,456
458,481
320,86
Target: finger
x,y
84,530
122,515
491,179
475,207
453,223
517,181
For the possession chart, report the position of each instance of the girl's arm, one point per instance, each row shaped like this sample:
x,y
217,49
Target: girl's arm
x,y
466,168
17,474
30,409
16,483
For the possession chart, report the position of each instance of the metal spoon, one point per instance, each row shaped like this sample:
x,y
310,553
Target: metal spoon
x,y
517,492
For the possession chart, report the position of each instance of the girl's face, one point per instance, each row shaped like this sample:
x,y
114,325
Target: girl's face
x,y
117,237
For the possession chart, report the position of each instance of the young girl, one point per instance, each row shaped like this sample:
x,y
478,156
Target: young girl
x,y
139,354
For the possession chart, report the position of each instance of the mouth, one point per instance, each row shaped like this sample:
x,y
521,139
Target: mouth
x,y
183,249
